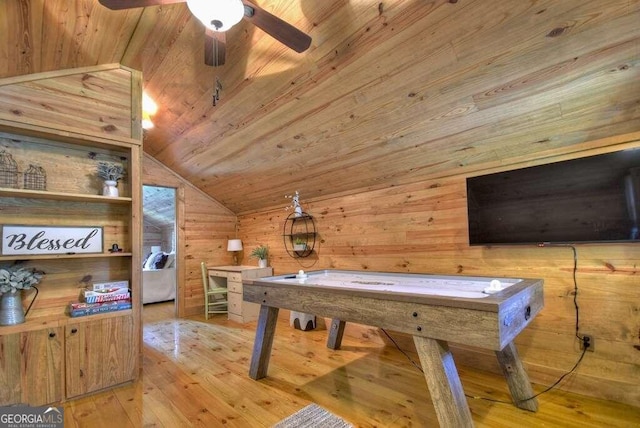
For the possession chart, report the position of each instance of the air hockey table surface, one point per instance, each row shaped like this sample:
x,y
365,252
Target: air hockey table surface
x,y
410,284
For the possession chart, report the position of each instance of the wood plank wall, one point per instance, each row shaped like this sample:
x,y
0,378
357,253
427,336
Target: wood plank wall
x,y
151,236
204,226
93,100
422,227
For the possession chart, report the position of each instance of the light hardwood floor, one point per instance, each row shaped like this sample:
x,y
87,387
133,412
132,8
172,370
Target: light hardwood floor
x,y
195,374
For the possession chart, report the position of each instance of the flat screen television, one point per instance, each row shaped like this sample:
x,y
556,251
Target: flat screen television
x,y
584,200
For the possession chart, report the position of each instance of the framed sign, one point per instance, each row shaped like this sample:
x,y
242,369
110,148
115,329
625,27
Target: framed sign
x,y
29,240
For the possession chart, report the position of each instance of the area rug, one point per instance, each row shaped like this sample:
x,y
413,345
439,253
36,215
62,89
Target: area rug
x,y
312,416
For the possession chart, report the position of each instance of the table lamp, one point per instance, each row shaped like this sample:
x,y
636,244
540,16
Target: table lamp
x,y
234,245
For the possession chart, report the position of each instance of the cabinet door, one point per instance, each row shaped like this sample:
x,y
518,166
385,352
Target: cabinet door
x,y
99,354
119,351
10,369
43,374
31,370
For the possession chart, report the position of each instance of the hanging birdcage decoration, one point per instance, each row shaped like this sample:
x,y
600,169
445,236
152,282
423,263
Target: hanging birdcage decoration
x,y
35,178
8,171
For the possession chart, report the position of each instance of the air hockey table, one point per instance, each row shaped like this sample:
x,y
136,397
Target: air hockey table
x,y
435,309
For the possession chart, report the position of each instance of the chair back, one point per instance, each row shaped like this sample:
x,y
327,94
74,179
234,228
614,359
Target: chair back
x,y
215,296
205,277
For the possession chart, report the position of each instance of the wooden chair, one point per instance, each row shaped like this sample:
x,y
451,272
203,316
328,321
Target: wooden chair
x,y
215,297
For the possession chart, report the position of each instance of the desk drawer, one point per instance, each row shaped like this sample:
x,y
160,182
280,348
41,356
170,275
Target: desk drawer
x,y
218,273
241,311
234,286
237,277
234,303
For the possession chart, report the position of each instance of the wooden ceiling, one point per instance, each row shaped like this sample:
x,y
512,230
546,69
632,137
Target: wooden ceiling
x,y
390,92
158,207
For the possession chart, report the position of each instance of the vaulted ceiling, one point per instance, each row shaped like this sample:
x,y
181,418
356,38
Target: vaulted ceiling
x,y
390,92
158,207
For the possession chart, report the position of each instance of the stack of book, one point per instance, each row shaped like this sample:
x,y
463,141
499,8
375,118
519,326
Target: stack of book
x,y
79,309
101,300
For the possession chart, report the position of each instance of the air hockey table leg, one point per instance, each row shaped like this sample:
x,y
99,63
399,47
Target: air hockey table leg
x,y
517,379
265,331
335,334
444,383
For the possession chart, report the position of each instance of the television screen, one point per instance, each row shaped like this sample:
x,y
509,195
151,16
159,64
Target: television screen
x,y
590,199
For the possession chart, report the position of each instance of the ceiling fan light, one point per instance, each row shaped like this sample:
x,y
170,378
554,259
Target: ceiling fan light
x,y
217,15
147,123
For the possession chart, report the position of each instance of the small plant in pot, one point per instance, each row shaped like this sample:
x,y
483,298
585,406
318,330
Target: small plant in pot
x,y
261,253
111,173
12,281
299,244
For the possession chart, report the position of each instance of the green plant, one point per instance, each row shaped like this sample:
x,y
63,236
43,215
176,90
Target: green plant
x,y
299,241
13,279
110,171
260,252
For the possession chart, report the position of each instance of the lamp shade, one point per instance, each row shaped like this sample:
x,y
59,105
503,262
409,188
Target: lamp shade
x,y
234,245
218,15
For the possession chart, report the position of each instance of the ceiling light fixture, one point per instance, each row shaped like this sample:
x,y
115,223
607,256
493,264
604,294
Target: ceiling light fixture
x,y
149,108
147,123
217,15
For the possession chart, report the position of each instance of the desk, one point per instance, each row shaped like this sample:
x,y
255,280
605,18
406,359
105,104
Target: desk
x,y
232,277
434,309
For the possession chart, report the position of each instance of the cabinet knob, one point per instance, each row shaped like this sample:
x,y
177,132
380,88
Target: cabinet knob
x,y
74,330
52,335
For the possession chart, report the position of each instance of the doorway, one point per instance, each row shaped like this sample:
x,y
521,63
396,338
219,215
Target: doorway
x,y
159,246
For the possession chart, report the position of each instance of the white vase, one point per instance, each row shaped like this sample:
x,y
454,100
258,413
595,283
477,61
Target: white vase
x,y
110,188
11,309
262,263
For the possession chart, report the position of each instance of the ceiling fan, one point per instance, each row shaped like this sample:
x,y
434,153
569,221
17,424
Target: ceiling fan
x,y
220,15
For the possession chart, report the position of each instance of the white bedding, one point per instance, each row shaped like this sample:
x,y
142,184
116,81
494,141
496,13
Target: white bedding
x,y
158,285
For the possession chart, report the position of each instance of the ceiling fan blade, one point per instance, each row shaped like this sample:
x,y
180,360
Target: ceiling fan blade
x,y
280,30
130,4
215,48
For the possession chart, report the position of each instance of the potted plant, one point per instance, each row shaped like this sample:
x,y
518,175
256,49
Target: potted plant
x,y
299,244
111,173
261,253
12,281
